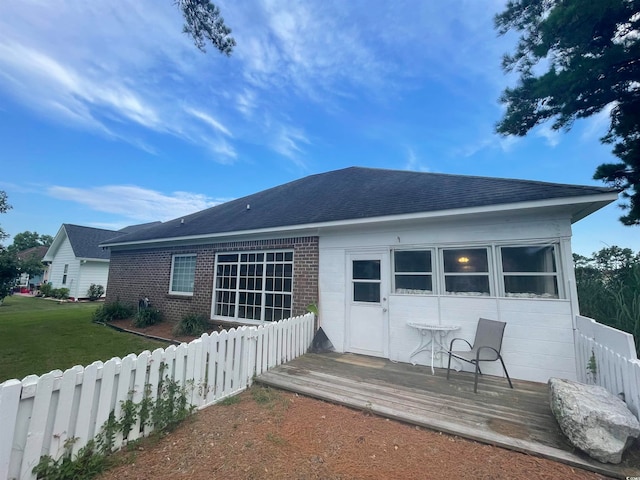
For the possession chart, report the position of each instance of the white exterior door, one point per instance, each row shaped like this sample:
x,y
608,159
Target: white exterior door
x,y
368,316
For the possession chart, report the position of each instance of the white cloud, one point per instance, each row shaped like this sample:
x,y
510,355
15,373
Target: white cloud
x,y
288,142
597,125
413,162
551,136
246,102
209,120
135,203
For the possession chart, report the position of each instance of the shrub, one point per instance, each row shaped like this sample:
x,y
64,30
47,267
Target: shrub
x,y
146,317
113,311
46,289
95,292
193,324
60,293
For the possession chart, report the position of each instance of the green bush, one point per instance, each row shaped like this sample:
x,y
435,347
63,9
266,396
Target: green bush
x,y
95,292
193,324
60,293
147,317
46,289
112,311
608,287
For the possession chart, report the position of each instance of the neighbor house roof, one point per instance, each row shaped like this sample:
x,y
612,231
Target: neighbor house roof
x,y
359,193
85,241
35,252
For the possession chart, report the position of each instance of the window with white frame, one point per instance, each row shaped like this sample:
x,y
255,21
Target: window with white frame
x,y
412,272
466,271
530,271
64,275
183,273
254,286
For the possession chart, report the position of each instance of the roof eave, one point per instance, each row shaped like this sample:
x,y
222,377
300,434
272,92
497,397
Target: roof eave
x,y
93,259
577,207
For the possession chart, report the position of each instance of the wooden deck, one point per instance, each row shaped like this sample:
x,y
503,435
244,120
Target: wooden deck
x,y
518,419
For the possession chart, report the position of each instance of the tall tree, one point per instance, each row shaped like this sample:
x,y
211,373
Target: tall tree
x,y
24,240
203,23
4,207
575,59
8,266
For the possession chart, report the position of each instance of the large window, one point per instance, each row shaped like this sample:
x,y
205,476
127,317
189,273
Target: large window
x,y
530,272
521,271
254,286
466,271
413,272
183,272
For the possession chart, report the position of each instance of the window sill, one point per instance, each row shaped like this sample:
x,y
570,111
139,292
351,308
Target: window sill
x,y
183,296
240,322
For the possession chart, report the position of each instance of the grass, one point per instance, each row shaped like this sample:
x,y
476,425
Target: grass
x,y
38,335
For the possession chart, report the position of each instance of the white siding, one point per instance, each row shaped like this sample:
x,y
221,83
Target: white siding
x,y
65,256
92,272
538,341
80,274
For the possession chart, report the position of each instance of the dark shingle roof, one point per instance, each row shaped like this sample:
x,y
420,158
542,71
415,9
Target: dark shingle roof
x,y
357,193
33,252
135,228
86,241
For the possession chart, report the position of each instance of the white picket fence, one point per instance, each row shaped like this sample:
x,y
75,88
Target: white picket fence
x,y
617,367
38,415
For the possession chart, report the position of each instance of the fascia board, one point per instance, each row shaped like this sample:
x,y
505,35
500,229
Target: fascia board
x,y
55,245
591,204
89,259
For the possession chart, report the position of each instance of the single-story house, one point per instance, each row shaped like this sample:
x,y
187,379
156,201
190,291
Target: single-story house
x,y
75,259
26,282
375,250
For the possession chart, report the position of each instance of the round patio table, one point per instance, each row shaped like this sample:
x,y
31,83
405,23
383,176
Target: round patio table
x,y
433,338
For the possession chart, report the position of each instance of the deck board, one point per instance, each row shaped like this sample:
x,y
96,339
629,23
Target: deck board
x,y
519,419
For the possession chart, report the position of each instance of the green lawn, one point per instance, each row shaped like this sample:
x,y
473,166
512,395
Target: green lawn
x,y
38,335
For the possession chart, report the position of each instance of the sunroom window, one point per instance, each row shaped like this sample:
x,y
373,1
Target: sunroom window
x,y
254,286
530,272
413,272
183,273
466,271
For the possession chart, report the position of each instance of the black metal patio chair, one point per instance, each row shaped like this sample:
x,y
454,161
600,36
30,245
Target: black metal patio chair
x,y
486,348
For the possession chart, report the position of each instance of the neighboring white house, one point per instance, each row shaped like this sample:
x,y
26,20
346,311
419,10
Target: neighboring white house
x,y
76,259
26,282
376,250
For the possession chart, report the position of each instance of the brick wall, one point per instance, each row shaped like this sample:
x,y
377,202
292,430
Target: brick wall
x,y
135,274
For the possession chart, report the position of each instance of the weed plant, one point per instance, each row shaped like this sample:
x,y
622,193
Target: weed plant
x,y
113,311
147,317
193,324
163,414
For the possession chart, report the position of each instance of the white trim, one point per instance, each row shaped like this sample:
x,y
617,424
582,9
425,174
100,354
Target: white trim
x,y
593,203
173,263
263,292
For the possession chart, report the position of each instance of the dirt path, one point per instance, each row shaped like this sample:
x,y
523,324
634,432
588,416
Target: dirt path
x,y
270,434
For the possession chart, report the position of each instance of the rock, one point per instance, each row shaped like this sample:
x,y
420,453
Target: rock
x,y
594,420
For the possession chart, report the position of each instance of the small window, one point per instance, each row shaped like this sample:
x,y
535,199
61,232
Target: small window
x,y
530,272
64,277
466,271
366,281
183,272
413,272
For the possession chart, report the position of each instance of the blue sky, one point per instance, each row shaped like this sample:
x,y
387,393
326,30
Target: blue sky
x,y
110,116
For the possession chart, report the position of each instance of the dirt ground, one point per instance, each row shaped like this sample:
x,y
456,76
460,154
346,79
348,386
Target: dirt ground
x,y
267,433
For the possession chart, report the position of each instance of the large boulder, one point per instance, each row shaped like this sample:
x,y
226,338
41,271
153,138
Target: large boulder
x,y
594,420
